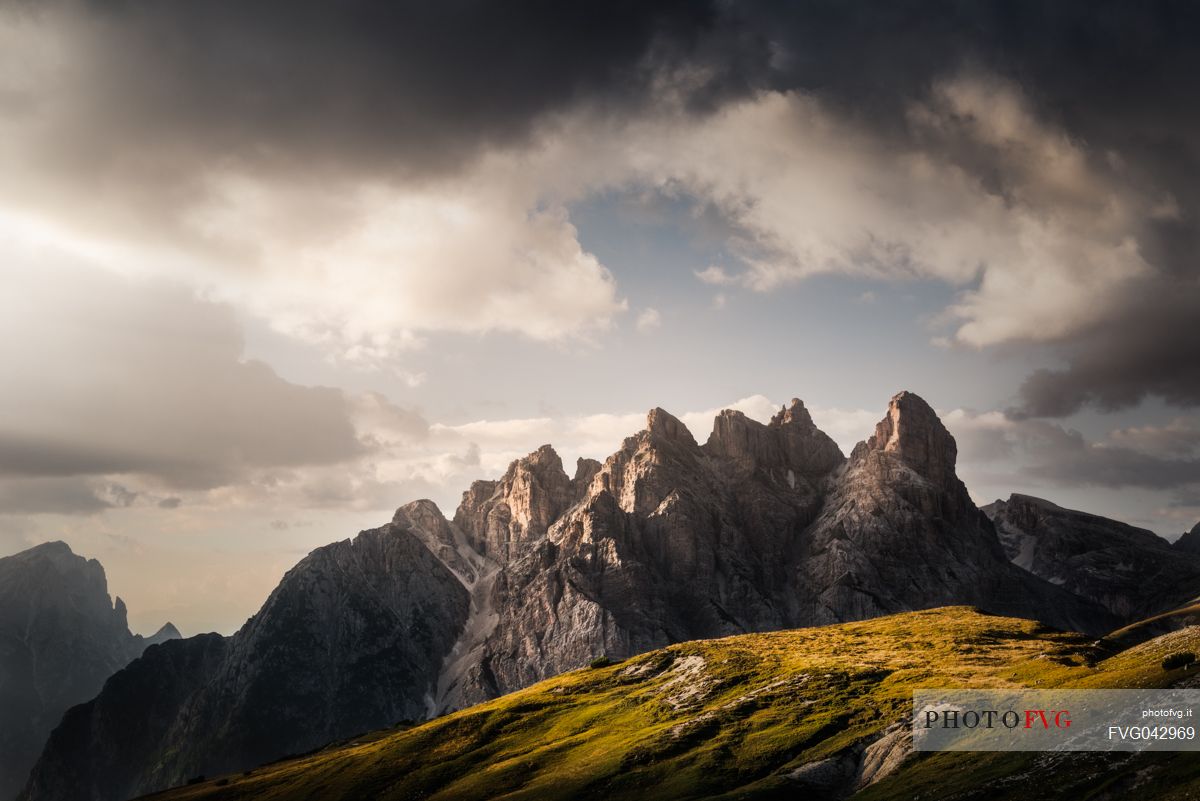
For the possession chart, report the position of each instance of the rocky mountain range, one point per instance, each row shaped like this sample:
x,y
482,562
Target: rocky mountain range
x,y
61,636
762,527
1131,571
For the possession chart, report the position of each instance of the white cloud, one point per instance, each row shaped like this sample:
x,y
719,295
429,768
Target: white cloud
x,y
465,256
648,320
1050,249
715,276
1037,232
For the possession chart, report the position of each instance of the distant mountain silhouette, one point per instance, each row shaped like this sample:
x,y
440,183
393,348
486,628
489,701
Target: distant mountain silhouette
x,y
61,636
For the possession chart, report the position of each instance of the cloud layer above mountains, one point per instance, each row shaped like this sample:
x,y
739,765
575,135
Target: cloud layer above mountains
x,y
385,187
361,175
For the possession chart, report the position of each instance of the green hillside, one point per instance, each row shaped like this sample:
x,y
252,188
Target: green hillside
x,y
785,714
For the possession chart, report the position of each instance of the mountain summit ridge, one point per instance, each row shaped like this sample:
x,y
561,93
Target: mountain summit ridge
x,y
912,431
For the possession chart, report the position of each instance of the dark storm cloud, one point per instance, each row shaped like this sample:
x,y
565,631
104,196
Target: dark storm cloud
x,y
1118,77
25,455
1116,74
168,89
423,86
1066,458
416,87
1004,453
1151,347
150,103
434,81
1188,499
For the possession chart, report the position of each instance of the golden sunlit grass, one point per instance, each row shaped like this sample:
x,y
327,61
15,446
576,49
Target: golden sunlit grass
x,y
704,718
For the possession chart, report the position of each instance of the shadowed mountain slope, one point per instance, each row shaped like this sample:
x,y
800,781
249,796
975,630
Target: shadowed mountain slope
x,y
817,713
61,636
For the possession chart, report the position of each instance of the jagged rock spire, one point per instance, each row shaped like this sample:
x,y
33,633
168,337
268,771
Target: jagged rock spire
x,y
791,441
912,431
794,412
501,517
663,425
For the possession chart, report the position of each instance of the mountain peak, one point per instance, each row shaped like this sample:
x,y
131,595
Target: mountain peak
x,y
54,546
744,441
790,441
73,636
544,455
417,509
56,552
794,412
663,425
1190,542
912,431
544,464
501,518
167,632
585,471
1032,500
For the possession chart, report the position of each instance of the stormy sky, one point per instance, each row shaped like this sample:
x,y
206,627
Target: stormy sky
x,y
273,269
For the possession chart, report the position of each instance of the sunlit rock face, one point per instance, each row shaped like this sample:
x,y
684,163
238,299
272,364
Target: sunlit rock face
x,y
503,518
763,527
